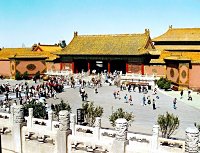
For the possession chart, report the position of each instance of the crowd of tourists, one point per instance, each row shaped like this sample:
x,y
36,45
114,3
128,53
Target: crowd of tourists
x,y
24,92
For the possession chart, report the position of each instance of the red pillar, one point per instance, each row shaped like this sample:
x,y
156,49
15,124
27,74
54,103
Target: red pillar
x,y
126,67
89,66
73,67
108,66
142,69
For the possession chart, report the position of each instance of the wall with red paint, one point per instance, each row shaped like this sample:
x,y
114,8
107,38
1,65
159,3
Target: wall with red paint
x,y
194,79
159,70
22,66
5,68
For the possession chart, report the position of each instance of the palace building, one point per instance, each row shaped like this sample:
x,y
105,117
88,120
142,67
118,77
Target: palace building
x,y
180,56
30,60
121,52
174,54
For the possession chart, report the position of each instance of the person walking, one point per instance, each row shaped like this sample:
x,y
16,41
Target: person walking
x,y
130,100
118,95
189,95
144,100
181,93
115,94
174,103
154,104
126,98
149,100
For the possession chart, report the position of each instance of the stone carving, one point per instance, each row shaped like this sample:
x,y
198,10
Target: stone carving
x,y
192,140
98,122
64,124
18,114
121,129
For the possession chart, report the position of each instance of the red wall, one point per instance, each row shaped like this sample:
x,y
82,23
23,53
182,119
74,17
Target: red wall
x,y
134,68
194,79
58,66
5,68
53,66
159,70
22,67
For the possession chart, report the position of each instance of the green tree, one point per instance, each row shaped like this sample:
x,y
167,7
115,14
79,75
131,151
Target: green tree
x,y
91,112
61,106
18,76
25,75
37,75
164,83
39,110
120,113
168,124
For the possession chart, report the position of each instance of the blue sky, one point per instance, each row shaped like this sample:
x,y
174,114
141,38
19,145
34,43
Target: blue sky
x,y
48,21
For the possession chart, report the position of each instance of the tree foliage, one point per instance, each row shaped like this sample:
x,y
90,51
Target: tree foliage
x,y
91,112
163,83
61,106
120,113
37,75
18,76
25,75
39,110
168,124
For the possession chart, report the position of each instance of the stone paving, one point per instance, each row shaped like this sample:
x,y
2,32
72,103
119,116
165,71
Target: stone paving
x,y
145,116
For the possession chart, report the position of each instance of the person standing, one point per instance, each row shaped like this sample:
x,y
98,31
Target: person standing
x,y
174,103
154,104
181,93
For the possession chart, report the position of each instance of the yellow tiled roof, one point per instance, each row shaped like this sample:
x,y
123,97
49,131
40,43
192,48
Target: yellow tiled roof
x,y
157,61
178,58
180,34
178,47
179,55
7,53
49,48
120,44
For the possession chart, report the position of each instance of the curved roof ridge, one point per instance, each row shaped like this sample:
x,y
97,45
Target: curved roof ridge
x,y
179,34
103,35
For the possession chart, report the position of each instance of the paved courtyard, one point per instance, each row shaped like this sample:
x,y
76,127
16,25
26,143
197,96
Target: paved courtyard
x,y
145,116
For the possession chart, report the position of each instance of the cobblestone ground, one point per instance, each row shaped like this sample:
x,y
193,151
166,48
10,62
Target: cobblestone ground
x,y
145,116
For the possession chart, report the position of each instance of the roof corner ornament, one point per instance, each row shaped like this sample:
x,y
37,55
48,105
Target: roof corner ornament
x,y
75,33
170,26
147,31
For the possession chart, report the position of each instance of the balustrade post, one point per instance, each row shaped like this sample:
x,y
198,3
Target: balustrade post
x,y
17,127
50,118
63,132
192,140
154,140
120,142
73,123
97,128
30,117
